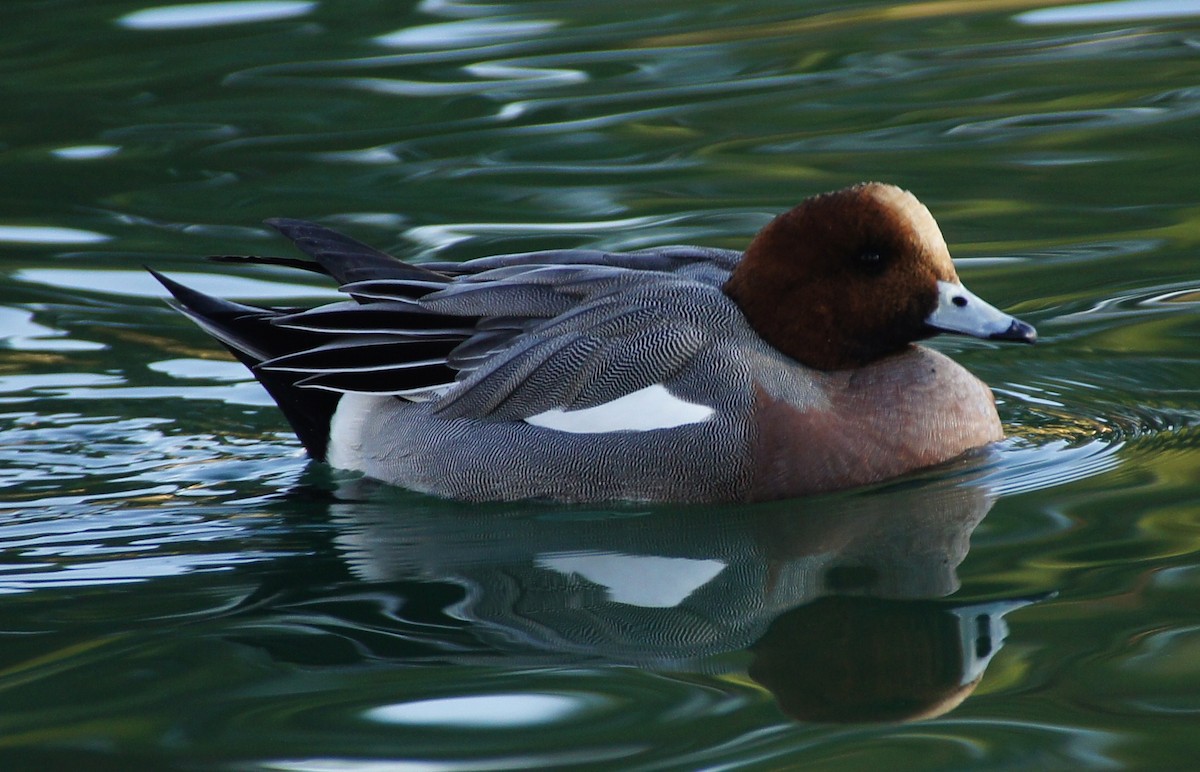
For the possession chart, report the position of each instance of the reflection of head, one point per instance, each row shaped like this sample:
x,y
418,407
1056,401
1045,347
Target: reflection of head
x,y
864,659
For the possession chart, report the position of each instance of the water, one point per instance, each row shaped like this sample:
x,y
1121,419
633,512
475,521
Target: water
x,y
180,589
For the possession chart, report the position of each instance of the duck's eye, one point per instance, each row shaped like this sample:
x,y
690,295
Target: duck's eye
x,y
872,261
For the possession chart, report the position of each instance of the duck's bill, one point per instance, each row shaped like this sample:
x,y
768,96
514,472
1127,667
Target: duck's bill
x,y
962,311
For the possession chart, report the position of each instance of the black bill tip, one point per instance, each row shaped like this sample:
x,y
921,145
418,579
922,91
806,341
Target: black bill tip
x,y
1017,331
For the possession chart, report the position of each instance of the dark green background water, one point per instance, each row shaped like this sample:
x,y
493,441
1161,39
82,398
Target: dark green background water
x,y
181,589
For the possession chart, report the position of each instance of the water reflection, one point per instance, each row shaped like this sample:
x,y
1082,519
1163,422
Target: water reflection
x,y
835,599
213,14
48,234
85,152
466,33
856,659
1116,11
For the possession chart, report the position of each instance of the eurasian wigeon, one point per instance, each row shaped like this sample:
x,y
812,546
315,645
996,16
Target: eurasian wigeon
x,y
668,374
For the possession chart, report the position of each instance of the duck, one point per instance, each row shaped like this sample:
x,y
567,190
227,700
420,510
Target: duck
x,y
672,374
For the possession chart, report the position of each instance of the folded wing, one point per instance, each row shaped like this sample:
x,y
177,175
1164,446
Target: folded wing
x,y
503,337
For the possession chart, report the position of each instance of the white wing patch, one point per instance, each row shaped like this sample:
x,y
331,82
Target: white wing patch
x,y
354,412
641,411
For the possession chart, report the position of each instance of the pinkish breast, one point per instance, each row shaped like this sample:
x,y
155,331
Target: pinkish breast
x,y
894,416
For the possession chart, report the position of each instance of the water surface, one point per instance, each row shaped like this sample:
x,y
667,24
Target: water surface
x,y
180,588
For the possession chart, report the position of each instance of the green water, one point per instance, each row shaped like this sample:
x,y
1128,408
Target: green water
x,y
180,589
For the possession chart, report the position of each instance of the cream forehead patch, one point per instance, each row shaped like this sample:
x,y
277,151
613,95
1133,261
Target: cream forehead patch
x,y
914,212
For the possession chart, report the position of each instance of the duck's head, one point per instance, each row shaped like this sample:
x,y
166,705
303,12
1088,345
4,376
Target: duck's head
x,y
854,275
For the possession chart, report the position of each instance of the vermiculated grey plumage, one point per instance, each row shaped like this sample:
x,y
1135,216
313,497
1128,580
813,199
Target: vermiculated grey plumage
x,y
456,355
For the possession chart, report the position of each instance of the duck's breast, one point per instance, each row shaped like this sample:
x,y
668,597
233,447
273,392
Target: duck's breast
x,y
908,411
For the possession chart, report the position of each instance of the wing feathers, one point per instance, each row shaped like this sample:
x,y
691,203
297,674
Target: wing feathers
x,y
502,337
344,258
585,358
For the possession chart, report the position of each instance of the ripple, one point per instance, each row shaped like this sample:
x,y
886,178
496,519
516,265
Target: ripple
x,y
1065,429
36,382
575,713
1120,10
483,711
1171,298
1092,251
202,369
473,33
160,133
118,545
442,236
550,760
1028,467
18,331
85,152
49,234
46,455
486,80
91,500
1011,127
194,15
247,392
142,285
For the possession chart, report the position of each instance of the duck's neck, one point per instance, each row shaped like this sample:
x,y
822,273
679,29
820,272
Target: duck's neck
x,y
810,335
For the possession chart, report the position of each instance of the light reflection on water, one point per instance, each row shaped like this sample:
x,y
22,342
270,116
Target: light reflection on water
x,y
49,234
492,711
1114,11
179,583
141,284
213,14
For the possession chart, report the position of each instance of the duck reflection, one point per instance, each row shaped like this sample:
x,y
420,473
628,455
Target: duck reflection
x,y
834,598
844,659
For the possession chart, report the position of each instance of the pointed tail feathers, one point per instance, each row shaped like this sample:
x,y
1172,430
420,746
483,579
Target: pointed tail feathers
x,y
248,333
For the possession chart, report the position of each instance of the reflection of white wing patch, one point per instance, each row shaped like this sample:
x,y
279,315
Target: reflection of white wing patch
x,y
648,581
644,410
